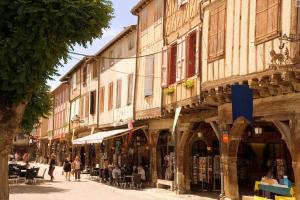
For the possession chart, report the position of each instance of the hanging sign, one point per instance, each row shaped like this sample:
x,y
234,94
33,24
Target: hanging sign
x,y
225,136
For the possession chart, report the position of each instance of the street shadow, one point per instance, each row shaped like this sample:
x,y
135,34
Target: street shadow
x,y
35,189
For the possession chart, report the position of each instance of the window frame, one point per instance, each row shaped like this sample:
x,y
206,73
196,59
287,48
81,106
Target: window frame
x,y
268,36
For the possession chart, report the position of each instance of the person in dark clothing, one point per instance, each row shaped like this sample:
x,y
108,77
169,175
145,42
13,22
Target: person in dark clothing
x,y
67,169
52,164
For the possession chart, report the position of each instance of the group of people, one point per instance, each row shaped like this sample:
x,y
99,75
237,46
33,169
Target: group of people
x,y
69,168
112,172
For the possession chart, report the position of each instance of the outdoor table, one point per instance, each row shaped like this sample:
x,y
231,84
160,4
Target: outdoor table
x,y
275,188
130,177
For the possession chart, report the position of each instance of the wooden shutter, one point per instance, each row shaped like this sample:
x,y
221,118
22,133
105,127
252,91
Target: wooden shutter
x,y
149,76
110,96
119,93
130,89
267,19
92,102
172,64
86,105
164,67
81,105
221,30
102,95
191,54
95,69
78,76
84,75
198,56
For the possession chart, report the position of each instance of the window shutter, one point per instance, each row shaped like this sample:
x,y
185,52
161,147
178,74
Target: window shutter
x,y
178,61
81,114
102,99
95,69
197,64
183,60
221,30
172,64
164,67
130,89
149,76
192,51
86,105
213,34
110,95
119,91
92,102
273,11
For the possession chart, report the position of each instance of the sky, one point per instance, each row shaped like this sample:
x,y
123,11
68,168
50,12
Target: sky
x,y
122,18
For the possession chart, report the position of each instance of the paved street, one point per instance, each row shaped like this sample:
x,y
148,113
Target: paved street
x,y
86,189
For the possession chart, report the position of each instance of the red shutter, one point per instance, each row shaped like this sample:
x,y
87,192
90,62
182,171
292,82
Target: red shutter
x,y
164,67
178,60
191,54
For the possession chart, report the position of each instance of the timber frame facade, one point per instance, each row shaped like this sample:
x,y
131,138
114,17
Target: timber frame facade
x,y
189,54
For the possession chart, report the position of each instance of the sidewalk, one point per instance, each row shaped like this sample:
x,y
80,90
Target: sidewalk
x,y
60,189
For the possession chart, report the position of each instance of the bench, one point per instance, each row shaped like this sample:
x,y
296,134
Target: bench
x,y
160,182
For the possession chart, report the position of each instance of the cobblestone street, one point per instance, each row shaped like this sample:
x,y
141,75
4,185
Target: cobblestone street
x,y
86,189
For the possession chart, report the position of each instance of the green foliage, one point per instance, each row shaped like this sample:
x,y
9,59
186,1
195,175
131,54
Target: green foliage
x,y
39,106
189,83
36,34
169,90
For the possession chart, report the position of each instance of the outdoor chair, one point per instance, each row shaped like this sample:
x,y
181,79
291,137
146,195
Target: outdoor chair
x,y
13,174
30,174
137,181
94,173
41,177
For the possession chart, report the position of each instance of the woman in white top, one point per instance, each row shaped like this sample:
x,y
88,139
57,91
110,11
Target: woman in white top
x,y
141,171
76,168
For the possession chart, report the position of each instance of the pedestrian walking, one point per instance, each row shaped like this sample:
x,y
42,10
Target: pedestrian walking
x,y
67,169
76,168
52,164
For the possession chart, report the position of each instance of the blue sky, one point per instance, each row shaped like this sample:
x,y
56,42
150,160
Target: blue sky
x,y
122,18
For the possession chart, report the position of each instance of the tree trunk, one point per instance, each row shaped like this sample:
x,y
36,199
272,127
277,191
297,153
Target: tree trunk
x,y
4,189
10,120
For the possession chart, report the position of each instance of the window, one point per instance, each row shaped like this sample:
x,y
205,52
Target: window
x,y
110,95
86,101
131,41
216,34
102,64
172,64
78,77
119,93
191,52
102,93
149,76
111,56
143,19
130,89
267,20
119,51
95,70
93,102
74,81
84,75
158,5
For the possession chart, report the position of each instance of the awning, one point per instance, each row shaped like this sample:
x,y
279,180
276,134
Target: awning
x,y
98,137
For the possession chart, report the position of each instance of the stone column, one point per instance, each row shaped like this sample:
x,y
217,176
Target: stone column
x,y
230,177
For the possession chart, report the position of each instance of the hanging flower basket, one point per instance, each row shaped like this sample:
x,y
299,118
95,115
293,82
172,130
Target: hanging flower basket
x,y
170,90
189,84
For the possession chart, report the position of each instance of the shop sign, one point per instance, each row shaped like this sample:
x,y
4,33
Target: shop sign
x,y
225,136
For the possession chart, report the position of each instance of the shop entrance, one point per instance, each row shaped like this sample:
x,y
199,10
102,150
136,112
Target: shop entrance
x,y
262,156
205,166
165,156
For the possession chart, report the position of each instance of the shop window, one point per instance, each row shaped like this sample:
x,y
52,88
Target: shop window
x,y
172,64
267,20
216,35
191,51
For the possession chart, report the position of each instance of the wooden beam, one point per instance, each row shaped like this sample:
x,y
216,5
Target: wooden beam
x,y
285,131
216,129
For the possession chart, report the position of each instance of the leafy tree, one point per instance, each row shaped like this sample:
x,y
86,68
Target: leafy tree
x,y
34,36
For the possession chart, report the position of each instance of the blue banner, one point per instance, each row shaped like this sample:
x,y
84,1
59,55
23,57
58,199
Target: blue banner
x,y
242,102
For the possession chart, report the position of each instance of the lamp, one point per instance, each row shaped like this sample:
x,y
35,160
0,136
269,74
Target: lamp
x,y
258,130
200,134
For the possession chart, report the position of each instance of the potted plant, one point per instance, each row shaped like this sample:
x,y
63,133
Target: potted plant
x,y
189,84
170,90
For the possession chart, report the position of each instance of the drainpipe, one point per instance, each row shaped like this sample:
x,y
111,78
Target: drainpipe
x,y
136,67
